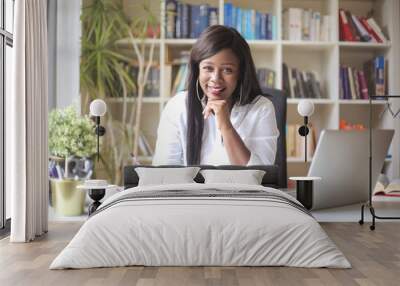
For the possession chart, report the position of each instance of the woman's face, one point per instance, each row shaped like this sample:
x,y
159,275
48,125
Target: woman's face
x,y
219,75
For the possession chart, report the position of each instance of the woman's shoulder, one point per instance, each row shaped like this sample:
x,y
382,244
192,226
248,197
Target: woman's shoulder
x,y
178,100
176,105
261,102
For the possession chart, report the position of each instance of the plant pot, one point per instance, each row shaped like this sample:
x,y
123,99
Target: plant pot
x,y
66,199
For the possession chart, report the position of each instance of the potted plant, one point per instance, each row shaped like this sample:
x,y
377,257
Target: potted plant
x,y
70,136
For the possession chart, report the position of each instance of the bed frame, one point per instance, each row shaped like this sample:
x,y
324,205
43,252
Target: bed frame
x,y
270,179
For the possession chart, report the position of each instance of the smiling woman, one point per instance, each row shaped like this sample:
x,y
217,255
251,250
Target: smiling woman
x,y
222,118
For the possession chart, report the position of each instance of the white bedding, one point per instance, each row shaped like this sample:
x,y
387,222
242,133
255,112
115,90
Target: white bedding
x,y
200,231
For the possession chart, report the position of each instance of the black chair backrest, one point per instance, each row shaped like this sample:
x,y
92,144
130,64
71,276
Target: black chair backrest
x,y
278,98
276,175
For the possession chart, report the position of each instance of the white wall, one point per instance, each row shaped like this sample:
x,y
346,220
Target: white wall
x,y
67,52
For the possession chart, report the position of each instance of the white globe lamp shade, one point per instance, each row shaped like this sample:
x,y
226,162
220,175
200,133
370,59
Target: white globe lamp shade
x,y
98,107
305,108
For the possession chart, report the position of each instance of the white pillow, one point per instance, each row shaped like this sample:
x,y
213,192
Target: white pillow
x,y
163,176
248,177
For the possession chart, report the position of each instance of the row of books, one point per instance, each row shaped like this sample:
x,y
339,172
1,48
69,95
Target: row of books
x,y
300,84
358,84
251,24
266,77
295,144
359,29
353,84
305,25
188,20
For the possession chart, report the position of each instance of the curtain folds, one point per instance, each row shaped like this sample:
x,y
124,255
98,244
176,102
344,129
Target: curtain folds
x,y
27,150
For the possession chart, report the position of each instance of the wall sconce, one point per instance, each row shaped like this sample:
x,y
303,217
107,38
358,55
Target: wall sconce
x,y
305,108
97,109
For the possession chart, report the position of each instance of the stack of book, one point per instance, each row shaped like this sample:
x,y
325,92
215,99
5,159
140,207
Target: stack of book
x,y
295,144
359,84
385,187
305,25
251,24
179,82
300,84
354,28
188,20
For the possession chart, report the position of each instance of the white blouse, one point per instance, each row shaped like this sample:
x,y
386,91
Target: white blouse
x,y
255,123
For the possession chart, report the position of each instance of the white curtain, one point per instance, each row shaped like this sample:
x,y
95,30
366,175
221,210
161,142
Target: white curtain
x,y
26,117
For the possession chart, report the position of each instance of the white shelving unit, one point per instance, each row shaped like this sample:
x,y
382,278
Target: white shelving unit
x,y
324,58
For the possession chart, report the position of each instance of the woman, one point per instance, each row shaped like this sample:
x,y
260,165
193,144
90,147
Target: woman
x,y
222,117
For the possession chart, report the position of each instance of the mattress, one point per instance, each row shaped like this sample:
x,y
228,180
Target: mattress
x,y
201,225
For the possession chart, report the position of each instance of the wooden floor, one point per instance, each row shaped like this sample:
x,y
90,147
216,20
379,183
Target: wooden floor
x,y
375,257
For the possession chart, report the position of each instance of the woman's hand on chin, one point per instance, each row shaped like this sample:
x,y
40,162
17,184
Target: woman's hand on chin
x,y
221,109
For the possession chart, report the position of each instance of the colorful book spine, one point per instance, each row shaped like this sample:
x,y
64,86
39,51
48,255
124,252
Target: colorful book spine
x,y
380,75
228,19
186,19
363,85
194,21
346,34
203,19
170,11
263,27
274,35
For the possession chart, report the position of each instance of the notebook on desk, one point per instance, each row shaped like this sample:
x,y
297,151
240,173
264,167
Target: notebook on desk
x,y
341,159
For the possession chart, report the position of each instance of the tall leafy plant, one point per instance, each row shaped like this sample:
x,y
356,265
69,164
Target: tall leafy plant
x,y
104,73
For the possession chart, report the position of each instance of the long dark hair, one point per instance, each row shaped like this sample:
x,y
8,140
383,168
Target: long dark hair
x,y
211,41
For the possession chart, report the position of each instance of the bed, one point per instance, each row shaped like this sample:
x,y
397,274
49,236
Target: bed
x,y
201,224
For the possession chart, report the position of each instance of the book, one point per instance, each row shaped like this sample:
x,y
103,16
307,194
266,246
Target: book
x,y
315,86
345,30
212,16
363,85
385,187
315,28
295,144
364,36
351,83
374,36
228,15
285,79
374,26
292,24
325,28
291,140
171,11
354,31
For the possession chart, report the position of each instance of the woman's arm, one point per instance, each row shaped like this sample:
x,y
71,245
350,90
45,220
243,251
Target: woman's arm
x,y
169,149
262,134
259,145
236,150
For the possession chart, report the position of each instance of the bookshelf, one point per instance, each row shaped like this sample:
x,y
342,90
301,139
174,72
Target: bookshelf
x,y
322,57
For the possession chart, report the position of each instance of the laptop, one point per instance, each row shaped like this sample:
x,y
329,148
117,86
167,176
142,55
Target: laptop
x,y
341,159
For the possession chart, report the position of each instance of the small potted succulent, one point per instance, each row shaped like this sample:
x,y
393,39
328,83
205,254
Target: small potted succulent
x,y
71,138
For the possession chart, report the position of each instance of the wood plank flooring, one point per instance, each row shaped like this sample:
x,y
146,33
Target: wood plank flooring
x,y
375,257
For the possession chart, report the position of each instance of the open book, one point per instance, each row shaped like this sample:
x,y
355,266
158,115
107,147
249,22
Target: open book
x,y
384,187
